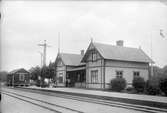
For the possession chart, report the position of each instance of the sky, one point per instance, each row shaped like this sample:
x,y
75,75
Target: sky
x,y
25,24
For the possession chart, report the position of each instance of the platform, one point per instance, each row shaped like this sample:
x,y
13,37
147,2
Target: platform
x,y
157,101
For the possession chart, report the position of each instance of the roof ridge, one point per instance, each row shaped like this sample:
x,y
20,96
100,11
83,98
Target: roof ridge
x,y
121,52
70,53
115,45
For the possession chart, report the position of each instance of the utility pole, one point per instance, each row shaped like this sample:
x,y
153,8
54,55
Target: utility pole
x,y
41,58
152,73
44,45
58,42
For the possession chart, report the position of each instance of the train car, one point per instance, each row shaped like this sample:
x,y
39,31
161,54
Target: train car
x,y
18,77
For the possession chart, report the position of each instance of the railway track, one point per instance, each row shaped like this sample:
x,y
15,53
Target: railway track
x,y
93,100
41,103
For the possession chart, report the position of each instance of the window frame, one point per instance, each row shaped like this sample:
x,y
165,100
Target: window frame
x,y
94,56
60,76
21,76
119,74
136,73
94,76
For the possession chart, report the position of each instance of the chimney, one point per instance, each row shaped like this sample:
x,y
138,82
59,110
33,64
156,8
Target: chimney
x,y
120,43
82,52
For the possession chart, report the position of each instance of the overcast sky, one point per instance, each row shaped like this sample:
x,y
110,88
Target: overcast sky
x,y
26,24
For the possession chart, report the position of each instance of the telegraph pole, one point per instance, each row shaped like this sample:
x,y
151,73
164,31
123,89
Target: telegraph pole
x,y
58,42
41,58
152,73
44,45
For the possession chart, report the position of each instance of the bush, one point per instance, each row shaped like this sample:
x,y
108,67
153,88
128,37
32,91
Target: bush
x,y
139,84
38,83
152,86
163,85
118,84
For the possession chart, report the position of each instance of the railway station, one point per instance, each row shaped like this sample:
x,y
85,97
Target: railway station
x,y
99,64
83,56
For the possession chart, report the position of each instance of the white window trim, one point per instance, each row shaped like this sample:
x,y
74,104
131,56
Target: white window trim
x,y
134,75
119,75
22,76
94,78
61,75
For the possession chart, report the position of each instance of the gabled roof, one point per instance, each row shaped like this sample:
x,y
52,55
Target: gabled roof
x,y
71,59
120,53
21,70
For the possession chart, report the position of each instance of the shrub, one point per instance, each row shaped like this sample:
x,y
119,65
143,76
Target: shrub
x,y
163,85
130,89
38,83
139,84
152,86
118,84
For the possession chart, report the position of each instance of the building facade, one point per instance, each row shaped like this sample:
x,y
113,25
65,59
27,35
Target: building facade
x,y
102,62
18,77
69,70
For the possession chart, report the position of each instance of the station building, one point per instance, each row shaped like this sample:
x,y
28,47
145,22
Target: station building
x,y
100,64
69,69
18,77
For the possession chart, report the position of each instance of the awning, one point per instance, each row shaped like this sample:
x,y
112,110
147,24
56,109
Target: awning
x,y
76,69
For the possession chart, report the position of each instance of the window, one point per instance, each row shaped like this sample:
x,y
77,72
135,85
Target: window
x,y
60,77
119,74
60,63
136,73
21,77
79,78
94,56
94,76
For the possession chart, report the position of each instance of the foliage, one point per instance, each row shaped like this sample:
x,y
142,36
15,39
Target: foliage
x,y
163,85
3,76
129,89
39,74
48,71
118,84
152,86
139,84
35,72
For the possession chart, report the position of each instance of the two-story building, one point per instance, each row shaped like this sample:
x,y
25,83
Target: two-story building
x,y
105,62
100,64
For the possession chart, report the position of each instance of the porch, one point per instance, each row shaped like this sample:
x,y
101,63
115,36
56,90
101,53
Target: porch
x,y
76,77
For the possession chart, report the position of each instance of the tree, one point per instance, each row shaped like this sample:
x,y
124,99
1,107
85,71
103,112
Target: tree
x,y
35,73
163,85
152,86
51,70
3,76
139,84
